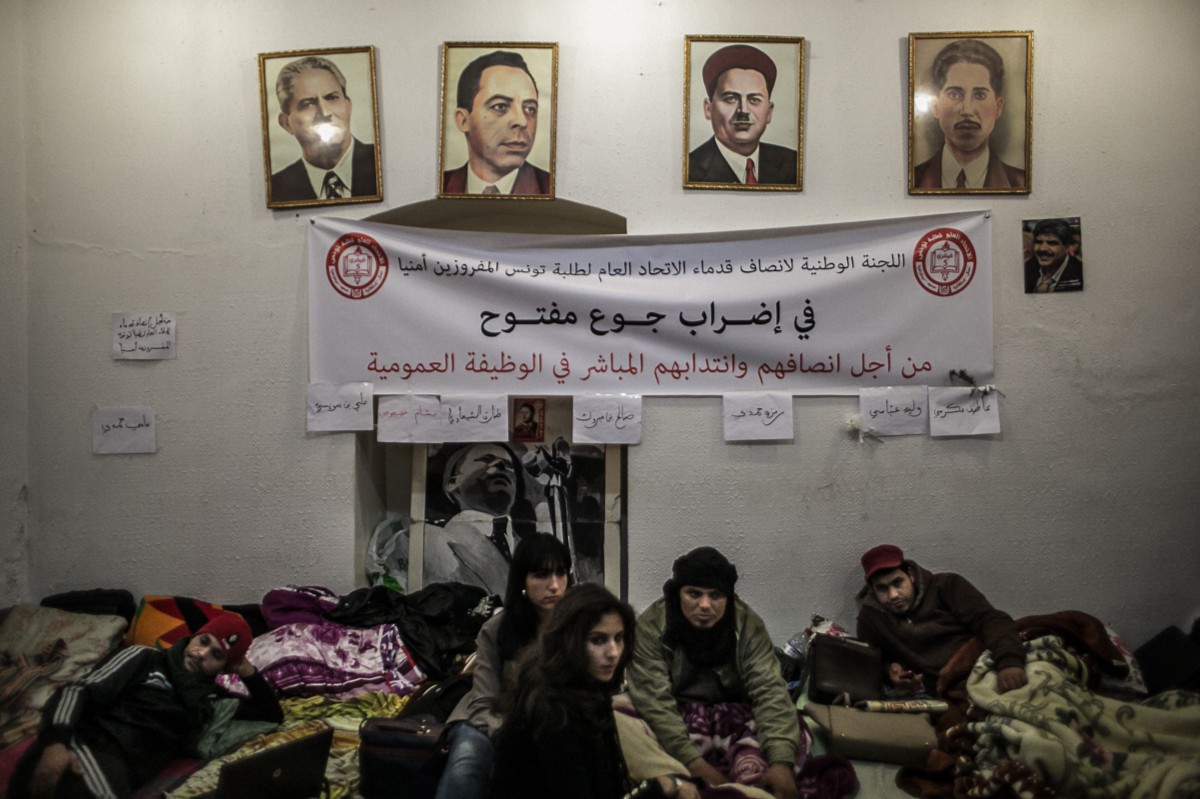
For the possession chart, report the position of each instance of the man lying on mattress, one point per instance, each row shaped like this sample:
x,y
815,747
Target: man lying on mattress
x,y
1058,735
919,620
137,711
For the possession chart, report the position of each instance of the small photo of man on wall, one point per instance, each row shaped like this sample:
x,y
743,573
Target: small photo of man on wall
x,y
528,419
1053,255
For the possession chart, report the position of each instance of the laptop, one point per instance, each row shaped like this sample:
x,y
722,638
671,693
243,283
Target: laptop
x,y
291,770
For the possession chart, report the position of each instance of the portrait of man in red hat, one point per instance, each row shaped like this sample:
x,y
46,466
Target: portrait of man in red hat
x,y
743,107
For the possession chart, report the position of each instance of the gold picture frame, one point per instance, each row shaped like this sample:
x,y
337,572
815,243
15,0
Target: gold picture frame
x,y
722,132
502,145
332,131
970,95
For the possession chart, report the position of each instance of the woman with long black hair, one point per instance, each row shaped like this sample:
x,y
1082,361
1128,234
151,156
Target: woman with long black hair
x,y
537,580
559,737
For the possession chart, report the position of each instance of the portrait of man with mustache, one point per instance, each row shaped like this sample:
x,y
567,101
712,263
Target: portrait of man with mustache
x,y
968,78
1054,262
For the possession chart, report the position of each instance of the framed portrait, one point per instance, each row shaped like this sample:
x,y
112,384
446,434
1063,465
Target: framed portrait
x,y
743,113
970,113
498,109
528,419
1053,254
320,124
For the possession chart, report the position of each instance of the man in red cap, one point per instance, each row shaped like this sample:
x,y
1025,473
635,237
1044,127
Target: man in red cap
x,y
135,712
738,81
919,619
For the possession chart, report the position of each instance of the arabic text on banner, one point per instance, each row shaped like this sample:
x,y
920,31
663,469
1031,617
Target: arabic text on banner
x,y
808,310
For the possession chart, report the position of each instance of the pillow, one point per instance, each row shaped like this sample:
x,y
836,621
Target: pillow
x,y
163,620
40,649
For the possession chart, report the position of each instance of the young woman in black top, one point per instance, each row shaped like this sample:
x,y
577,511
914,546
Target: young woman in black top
x,y
559,737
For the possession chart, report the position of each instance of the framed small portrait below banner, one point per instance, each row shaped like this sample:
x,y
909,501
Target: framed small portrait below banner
x,y
498,110
528,415
320,124
970,113
743,113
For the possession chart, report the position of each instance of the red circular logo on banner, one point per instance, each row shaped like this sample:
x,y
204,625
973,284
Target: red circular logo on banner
x,y
356,266
944,261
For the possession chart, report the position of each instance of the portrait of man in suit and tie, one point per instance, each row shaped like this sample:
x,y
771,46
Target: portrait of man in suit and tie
x,y
1055,260
320,127
498,105
969,113
743,115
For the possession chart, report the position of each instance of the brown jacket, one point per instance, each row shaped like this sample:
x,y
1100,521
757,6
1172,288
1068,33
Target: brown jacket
x,y
947,612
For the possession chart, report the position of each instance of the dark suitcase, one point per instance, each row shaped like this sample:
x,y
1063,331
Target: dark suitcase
x,y
843,669
400,757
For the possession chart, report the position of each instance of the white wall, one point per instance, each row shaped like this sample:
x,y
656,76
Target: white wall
x,y
143,190
14,297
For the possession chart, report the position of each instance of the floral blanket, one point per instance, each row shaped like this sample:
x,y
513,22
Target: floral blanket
x,y
726,736
1055,737
332,660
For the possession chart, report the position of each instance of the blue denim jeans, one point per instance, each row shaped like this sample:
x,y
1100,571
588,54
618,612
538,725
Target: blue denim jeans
x,y
469,765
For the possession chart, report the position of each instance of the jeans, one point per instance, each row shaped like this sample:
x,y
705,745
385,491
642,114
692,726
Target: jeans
x,y
469,765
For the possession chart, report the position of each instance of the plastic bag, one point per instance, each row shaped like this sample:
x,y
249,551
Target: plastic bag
x,y
386,558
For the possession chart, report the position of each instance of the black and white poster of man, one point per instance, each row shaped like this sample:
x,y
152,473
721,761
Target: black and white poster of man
x,y
481,498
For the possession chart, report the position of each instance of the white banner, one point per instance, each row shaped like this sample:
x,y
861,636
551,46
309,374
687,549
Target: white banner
x,y
812,310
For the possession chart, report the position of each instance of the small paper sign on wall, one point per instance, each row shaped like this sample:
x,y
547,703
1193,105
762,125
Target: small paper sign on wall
x,y
607,419
894,410
345,407
123,430
143,336
474,418
758,416
410,419
963,412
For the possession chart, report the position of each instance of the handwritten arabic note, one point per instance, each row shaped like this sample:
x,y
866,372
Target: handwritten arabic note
x,y
475,418
410,419
607,419
758,416
349,406
123,430
895,410
963,412
143,336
